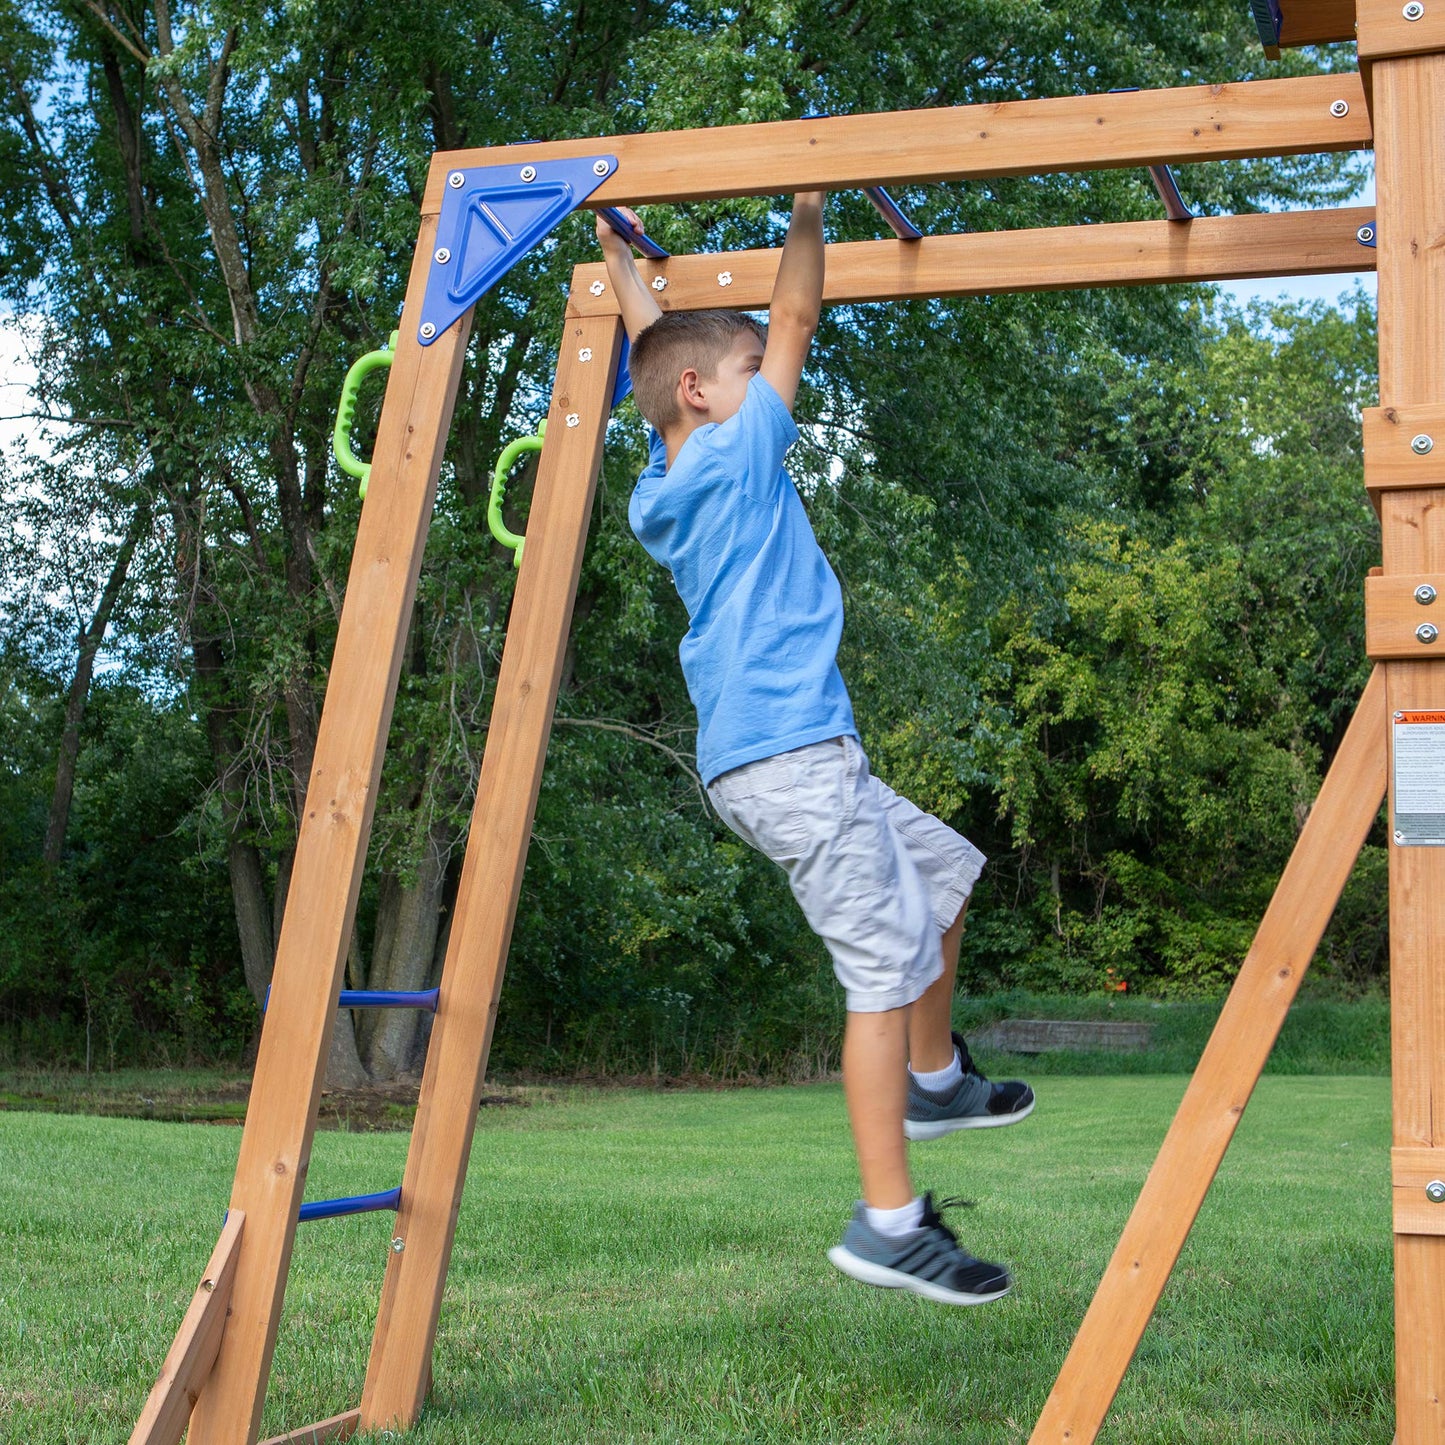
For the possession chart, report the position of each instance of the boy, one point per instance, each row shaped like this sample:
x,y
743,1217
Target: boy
x,y
883,884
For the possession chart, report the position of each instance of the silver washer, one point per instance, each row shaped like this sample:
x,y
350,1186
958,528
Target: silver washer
x,y
427,331
1435,1191
600,168
1339,109
573,419
442,256
456,180
1413,11
1422,444
529,173
1427,632
1425,594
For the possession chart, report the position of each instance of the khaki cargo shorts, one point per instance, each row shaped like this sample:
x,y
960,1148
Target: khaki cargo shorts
x,y
878,879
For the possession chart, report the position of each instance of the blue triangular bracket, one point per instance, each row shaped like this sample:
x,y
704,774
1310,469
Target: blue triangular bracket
x,y
491,217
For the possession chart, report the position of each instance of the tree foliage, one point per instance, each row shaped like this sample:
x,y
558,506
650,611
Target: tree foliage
x,y
1091,543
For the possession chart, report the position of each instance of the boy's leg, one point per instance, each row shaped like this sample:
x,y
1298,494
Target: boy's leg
x,y
875,1084
930,1019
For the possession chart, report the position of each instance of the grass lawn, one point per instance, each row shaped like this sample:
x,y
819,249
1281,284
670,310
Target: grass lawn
x,y
650,1267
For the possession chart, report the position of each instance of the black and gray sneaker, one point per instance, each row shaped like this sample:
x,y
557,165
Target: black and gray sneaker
x,y
976,1103
929,1260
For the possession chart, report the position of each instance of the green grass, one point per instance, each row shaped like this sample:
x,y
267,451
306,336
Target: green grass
x,y
649,1267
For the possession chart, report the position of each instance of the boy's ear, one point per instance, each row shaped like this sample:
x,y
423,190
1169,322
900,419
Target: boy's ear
x,y
690,390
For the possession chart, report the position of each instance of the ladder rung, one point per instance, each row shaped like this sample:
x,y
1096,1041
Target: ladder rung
x,y
891,212
353,1204
390,998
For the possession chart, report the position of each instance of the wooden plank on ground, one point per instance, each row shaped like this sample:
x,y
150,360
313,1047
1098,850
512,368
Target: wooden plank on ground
x,y
1409,100
1348,804
193,1352
400,1368
1008,138
330,853
338,1427
981,263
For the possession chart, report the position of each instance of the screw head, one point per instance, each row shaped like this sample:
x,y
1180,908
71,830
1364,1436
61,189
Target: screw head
x,y
529,173
597,287
1339,109
1399,717
600,168
1399,836
1435,1191
397,1245
427,331
1365,235
1427,632
573,419
442,256
659,283
1425,594
456,180
1413,11
1422,444
724,278
585,354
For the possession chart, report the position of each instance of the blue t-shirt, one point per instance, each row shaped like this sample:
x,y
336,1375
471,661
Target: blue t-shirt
x,y
760,657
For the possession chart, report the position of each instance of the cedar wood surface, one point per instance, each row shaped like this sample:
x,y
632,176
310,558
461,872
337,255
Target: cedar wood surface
x,y
338,1427
193,1352
1410,178
1392,613
1347,805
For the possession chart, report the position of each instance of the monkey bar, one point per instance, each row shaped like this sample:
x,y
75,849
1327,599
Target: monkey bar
x,y
1405,100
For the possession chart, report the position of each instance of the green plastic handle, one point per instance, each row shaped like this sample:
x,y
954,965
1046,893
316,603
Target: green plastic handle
x,y
346,459
505,463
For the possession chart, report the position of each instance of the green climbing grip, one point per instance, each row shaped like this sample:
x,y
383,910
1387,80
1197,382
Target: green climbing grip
x,y
346,459
505,463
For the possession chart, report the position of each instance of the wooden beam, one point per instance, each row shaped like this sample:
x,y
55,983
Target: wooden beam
x,y
1396,608
1409,108
501,829
338,1427
330,853
1009,138
1392,435
1347,806
979,263
1384,29
1318,22
193,1352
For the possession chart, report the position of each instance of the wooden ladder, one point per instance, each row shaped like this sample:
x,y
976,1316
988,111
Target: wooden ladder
x,y
215,1376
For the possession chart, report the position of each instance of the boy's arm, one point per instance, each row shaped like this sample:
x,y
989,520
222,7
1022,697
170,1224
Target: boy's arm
x,y
639,309
797,298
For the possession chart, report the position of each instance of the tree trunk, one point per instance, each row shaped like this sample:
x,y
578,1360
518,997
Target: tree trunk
x,y
407,964
253,916
89,644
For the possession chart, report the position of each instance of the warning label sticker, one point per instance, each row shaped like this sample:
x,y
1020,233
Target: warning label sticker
x,y
1419,756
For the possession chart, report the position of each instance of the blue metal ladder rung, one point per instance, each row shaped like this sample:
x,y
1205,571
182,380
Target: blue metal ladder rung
x,y
352,1204
892,212
425,998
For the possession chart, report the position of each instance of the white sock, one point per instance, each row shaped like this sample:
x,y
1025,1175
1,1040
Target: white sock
x,y
894,1223
940,1081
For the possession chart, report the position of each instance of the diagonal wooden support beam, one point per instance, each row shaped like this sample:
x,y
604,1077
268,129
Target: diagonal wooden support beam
x,y
399,1372
194,1350
966,142
1348,804
338,1427
981,263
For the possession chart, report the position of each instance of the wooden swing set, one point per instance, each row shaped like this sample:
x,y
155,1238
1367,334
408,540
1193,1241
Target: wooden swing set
x,y
482,208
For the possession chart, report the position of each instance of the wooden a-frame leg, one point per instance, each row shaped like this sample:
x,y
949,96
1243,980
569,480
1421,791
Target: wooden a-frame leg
x,y
399,1372
1348,803
330,854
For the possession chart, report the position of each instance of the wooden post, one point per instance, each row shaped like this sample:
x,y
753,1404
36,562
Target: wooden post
x,y
1409,108
330,853
399,1372
1289,933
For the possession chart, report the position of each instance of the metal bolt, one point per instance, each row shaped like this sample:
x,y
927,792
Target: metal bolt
x,y
1423,444
1399,717
585,354
573,419
1424,594
1413,11
597,287
442,256
1435,1191
659,283
529,173
600,168
724,278
1340,109
456,180
1427,632
1399,837
397,1245
427,331
1365,235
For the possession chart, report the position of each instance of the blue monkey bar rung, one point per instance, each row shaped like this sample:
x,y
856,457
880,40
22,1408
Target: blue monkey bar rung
x,y
891,212
352,1204
1168,188
379,998
644,243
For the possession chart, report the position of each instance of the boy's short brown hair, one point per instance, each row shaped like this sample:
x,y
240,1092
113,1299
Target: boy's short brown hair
x,y
676,341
